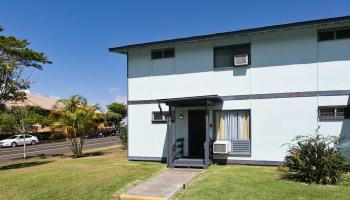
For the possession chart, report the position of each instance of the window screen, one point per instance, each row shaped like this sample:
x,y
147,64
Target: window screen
x,y
326,35
163,53
333,112
224,56
334,34
343,33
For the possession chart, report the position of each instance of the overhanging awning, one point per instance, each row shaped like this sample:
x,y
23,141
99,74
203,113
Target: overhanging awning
x,y
192,101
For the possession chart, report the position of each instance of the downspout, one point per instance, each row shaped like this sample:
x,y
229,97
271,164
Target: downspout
x,y
206,144
169,139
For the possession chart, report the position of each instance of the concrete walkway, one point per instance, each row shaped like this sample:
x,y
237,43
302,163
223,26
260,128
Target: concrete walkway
x,y
162,186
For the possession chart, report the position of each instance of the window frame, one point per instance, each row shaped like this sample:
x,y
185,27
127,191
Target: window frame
x,y
163,53
233,110
334,31
232,49
235,154
164,116
346,114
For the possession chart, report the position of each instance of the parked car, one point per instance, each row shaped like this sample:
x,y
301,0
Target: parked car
x,y
17,140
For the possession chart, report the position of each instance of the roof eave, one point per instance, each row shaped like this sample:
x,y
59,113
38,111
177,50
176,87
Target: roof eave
x,y
243,32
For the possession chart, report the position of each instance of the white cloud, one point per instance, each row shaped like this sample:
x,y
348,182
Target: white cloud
x,y
26,91
114,90
121,99
54,97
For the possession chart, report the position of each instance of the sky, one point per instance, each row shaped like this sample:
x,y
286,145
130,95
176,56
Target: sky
x,y
76,34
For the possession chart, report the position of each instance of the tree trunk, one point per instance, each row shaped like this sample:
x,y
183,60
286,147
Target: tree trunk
x,y
74,147
81,145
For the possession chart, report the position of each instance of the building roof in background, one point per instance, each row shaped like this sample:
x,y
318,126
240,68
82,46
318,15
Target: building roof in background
x,y
124,49
43,102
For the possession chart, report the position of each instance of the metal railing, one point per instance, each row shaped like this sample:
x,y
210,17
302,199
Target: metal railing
x,y
177,149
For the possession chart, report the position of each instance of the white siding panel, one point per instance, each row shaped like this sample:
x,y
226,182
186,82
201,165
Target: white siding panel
x,y
334,65
182,85
145,139
140,88
275,122
139,64
193,58
284,62
232,82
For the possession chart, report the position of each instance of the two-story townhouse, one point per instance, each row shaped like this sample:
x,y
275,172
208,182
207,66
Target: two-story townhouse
x,y
238,97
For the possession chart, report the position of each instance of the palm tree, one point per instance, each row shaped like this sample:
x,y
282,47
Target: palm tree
x,y
76,118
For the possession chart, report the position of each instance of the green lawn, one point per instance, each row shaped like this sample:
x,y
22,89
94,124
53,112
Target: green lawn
x,y
107,171
249,182
93,177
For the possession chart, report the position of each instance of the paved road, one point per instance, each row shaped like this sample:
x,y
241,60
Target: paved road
x,y
54,148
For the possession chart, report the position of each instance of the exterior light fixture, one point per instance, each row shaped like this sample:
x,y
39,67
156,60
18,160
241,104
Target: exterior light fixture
x,y
181,116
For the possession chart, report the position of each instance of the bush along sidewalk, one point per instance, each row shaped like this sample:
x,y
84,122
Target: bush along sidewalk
x,y
315,158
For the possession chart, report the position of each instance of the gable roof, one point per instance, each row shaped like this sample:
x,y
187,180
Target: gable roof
x,y
124,49
43,102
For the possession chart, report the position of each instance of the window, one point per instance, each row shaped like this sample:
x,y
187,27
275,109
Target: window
x,y
234,126
333,112
334,34
158,117
163,53
224,56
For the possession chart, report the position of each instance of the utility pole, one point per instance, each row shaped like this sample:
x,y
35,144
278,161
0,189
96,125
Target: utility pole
x,y
24,142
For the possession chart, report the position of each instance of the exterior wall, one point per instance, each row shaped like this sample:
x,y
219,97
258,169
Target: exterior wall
x,y
281,62
146,139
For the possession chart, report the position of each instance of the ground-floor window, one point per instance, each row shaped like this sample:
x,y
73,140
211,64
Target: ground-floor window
x,y
333,112
234,126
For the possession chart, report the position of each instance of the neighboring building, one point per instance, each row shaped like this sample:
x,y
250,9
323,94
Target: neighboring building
x,y
44,102
251,91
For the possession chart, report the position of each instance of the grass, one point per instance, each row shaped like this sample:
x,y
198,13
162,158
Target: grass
x,y
250,182
98,175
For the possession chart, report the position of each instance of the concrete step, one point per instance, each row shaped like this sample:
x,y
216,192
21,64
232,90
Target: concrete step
x,y
189,163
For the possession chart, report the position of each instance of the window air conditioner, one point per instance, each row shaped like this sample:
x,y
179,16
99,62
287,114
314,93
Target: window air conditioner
x,y
222,146
241,60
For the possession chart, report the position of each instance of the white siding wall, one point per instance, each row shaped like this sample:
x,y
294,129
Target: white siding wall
x,y
286,61
145,139
334,64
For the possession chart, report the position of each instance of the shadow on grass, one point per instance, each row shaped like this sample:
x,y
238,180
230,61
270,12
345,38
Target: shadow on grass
x,y
288,176
41,156
23,165
93,154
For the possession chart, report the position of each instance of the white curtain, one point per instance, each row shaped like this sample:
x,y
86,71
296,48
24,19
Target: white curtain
x,y
232,125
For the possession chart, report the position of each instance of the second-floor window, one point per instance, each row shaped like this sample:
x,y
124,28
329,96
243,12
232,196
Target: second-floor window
x,y
232,56
163,53
334,34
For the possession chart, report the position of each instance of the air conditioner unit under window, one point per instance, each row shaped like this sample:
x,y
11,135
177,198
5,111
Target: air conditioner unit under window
x,y
241,60
222,146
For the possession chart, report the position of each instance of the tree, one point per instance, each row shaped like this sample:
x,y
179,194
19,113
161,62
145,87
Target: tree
x,y
15,56
76,118
115,114
22,119
315,158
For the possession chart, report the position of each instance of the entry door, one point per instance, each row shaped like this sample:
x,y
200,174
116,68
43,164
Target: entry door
x,y
196,133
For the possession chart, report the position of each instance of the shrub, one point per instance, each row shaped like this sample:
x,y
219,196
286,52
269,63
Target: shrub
x,y
315,158
123,135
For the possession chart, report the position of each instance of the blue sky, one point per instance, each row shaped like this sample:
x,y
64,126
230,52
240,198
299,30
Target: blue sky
x,y
75,34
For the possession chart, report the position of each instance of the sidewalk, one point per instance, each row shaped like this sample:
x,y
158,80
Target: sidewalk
x,y
162,186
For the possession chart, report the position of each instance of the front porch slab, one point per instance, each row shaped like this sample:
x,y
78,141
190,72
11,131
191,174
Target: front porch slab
x,y
162,186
